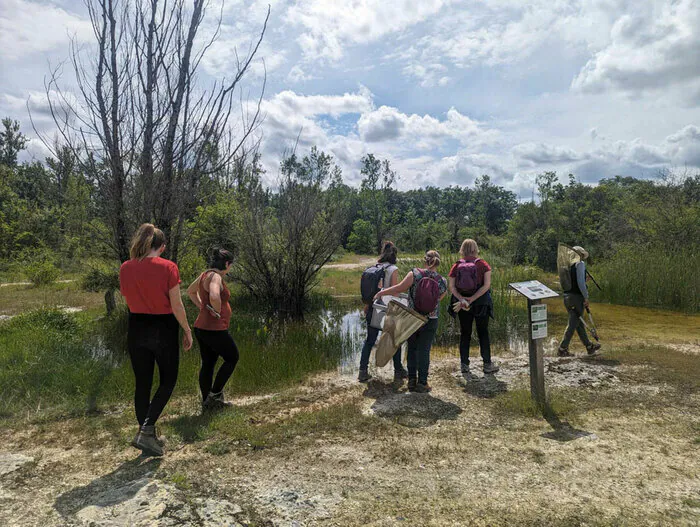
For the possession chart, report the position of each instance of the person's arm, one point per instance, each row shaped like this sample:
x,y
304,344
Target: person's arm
x,y
483,289
193,293
453,289
180,315
581,279
401,287
215,285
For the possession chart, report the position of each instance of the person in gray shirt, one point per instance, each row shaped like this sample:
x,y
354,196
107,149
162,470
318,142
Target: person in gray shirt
x,y
576,300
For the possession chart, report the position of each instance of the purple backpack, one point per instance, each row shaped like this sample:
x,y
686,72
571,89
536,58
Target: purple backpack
x,y
467,277
427,293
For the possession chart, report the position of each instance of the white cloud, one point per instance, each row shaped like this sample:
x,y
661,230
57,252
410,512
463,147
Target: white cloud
x,y
297,75
328,27
653,46
28,27
423,132
429,75
539,153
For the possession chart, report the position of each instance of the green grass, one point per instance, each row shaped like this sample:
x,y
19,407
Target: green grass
x,y
50,360
519,403
668,279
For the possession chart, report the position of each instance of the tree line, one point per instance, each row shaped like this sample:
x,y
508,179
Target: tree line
x,y
58,210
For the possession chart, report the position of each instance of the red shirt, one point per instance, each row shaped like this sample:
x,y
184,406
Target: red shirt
x,y
206,320
482,267
146,284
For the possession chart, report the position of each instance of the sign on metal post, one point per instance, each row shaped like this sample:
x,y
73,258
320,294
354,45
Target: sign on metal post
x,y
535,292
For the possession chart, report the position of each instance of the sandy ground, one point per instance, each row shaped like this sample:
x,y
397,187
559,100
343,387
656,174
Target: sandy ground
x,y
452,457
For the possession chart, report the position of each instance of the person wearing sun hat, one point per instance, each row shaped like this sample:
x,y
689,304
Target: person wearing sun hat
x,y
576,300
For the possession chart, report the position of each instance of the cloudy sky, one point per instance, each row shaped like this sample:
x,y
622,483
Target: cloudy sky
x,y
446,89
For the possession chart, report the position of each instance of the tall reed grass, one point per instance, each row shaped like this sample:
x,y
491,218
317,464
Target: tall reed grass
x,y
510,309
669,279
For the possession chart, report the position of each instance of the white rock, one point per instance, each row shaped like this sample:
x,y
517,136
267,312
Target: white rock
x,y
10,462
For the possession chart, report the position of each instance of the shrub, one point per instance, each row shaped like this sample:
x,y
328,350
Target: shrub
x,y
100,277
42,273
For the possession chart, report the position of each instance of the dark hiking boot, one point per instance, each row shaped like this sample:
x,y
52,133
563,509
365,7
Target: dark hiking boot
x,y
592,349
422,387
491,367
159,438
219,400
412,384
147,442
364,376
400,375
215,401
564,352
464,368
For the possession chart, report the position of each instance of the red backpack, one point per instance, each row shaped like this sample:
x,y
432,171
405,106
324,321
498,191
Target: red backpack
x,y
427,292
467,277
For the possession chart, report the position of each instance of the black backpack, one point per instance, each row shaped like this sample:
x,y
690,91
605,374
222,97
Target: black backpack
x,y
369,284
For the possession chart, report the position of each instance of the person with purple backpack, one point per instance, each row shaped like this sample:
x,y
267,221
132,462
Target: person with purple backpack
x,y
425,290
470,285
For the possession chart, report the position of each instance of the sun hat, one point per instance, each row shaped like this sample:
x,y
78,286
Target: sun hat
x,y
581,251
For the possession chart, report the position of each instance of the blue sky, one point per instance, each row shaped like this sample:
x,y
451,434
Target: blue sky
x,y
447,90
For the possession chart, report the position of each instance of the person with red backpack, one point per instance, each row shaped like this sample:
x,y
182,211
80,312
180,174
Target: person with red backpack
x,y
383,274
470,285
426,288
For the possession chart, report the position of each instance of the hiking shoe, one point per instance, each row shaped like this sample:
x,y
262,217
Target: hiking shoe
x,y
400,375
147,442
159,438
564,352
219,400
215,401
364,376
412,384
491,367
422,387
465,369
593,348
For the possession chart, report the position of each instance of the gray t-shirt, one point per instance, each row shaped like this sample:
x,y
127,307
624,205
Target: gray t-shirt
x,y
388,273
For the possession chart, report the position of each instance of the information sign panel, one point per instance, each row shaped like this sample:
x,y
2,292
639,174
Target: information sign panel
x,y
538,312
539,330
533,290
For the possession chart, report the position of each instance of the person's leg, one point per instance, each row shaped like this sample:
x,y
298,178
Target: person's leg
x,y
411,355
227,349
482,330
142,362
425,342
372,335
465,336
168,361
209,357
581,330
571,304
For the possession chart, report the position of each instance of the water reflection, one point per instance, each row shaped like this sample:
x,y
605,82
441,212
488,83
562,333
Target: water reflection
x,y
353,328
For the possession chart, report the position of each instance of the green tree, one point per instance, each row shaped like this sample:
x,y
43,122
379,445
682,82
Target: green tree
x,y
12,142
375,190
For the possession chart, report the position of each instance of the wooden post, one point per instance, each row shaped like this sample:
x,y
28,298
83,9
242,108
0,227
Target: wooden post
x,y
536,360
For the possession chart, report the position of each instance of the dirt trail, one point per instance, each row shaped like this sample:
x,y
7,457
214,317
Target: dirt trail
x,y
452,457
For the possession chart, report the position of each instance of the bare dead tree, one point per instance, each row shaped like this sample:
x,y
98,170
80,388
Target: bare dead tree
x,y
140,122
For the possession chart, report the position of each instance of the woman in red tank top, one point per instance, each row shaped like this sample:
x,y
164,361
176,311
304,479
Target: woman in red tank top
x,y
210,294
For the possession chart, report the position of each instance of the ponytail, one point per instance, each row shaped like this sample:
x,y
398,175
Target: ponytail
x,y
147,238
432,259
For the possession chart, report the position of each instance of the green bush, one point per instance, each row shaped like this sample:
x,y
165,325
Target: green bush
x,y
42,273
101,276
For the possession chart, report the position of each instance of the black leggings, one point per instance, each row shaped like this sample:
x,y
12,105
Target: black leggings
x,y
153,339
212,345
465,337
